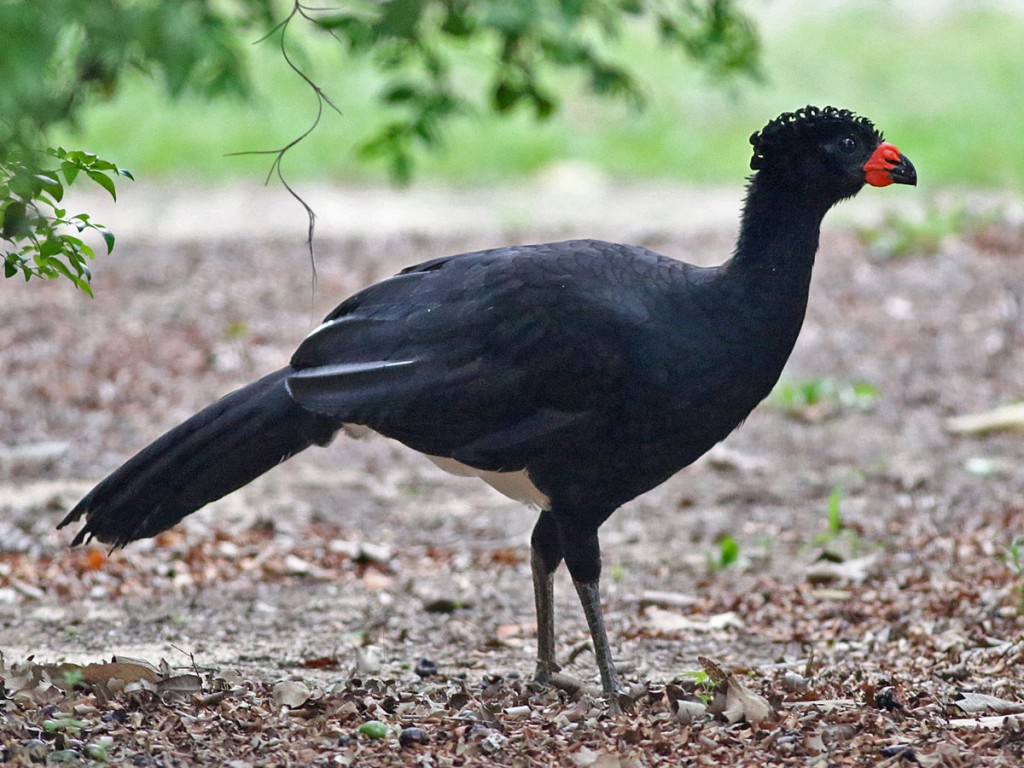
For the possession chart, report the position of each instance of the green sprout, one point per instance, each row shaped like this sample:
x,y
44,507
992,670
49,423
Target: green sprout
x,y
834,513
704,686
728,554
1013,556
797,397
901,235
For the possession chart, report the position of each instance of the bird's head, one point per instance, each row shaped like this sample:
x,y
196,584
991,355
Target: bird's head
x,y
830,153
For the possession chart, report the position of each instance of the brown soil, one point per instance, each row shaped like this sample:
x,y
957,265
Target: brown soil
x,y
277,582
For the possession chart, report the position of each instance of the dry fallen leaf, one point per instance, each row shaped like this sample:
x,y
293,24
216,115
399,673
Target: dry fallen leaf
x,y
663,599
122,671
973,703
662,621
688,711
375,580
740,703
851,571
1009,722
180,684
588,758
95,559
290,693
1004,418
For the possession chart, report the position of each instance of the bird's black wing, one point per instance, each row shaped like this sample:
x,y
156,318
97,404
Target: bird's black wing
x,y
491,358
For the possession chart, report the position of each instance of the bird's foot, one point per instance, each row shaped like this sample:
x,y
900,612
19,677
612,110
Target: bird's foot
x,y
545,671
619,700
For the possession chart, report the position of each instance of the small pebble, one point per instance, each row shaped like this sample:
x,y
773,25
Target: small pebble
x,y
443,605
296,566
425,668
493,742
890,698
902,751
410,736
795,683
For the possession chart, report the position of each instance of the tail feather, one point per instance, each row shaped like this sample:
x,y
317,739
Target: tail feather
x,y
220,449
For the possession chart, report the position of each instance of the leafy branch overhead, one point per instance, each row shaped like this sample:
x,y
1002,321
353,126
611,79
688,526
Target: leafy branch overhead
x,y
40,238
60,56
518,45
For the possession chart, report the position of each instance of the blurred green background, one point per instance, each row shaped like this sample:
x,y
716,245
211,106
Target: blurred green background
x,y
945,82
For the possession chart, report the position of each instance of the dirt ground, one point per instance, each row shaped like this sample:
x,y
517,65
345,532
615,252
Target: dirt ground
x,y
298,610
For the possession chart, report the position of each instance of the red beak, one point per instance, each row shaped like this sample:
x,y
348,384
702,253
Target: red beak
x,y
887,165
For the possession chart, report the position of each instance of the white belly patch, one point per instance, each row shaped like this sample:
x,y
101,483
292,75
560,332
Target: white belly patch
x,y
514,485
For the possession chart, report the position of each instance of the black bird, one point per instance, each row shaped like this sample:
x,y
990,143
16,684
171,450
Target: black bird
x,y
573,376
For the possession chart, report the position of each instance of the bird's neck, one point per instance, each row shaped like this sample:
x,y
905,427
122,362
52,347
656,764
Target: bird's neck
x,y
779,232
769,276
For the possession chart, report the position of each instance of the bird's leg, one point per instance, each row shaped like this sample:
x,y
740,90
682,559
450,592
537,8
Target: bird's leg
x,y
590,598
544,599
582,553
545,557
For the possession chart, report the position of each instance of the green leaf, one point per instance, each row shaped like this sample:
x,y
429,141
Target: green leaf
x,y
50,247
26,186
76,248
104,181
100,164
51,185
401,166
835,515
58,268
358,31
108,237
543,104
506,96
512,19
729,551
572,10
457,22
400,93
375,729
400,18
15,221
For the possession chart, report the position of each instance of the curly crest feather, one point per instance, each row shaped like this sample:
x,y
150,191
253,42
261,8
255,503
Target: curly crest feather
x,y
788,126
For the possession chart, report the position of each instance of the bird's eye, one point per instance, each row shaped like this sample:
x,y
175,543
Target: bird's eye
x,y
847,144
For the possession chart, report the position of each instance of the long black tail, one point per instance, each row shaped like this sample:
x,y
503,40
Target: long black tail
x,y
217,451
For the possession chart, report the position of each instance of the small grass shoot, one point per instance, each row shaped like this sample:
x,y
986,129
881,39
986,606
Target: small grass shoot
x,y
810,396
837,534
901,235
1013,556
728,554
704,686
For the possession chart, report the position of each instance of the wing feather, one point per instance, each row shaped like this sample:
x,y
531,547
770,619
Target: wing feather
x,y
474,357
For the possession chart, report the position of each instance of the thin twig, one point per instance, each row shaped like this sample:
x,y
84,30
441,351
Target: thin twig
x,y
276,165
